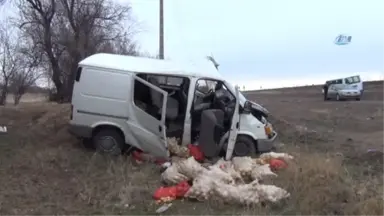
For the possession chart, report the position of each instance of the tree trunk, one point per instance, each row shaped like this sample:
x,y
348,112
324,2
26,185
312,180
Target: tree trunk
x,y
3,95
16,98
71,81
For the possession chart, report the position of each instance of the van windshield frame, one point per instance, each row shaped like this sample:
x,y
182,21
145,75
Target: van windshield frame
x,y
352,80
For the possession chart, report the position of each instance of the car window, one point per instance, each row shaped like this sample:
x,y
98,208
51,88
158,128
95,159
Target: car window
x,y
176,81
204,86
349,80
229,94
352,80
356,79
168,80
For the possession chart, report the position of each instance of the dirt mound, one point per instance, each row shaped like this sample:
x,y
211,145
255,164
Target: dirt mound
x,y
371,160
298,134
40,119
373,156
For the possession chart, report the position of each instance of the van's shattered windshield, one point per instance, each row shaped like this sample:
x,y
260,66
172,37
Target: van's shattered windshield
x,y
242,98
352,80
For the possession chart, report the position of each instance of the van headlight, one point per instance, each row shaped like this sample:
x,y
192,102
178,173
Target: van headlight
x,y
268,130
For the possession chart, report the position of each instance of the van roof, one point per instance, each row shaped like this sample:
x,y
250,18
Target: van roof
x,y
150,65
343,78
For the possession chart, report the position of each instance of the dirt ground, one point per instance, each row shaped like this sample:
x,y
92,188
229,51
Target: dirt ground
x,y
337,145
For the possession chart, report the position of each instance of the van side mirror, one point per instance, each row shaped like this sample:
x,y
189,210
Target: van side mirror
x,y
247,106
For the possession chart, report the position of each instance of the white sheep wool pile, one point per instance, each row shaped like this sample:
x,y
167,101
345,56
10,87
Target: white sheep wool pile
x,y
226,180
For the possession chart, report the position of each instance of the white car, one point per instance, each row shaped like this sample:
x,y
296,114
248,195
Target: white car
x,y
345,88
121,101
343,94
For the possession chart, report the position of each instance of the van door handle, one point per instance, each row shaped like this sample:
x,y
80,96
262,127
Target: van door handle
x,y
160,128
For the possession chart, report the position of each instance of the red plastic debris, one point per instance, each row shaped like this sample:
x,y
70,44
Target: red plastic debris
x,y
195,152
164,192
277,164
174,192
182,188
138,156
160,161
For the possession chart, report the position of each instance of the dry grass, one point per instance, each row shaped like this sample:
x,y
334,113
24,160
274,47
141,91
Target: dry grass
x,y
45,171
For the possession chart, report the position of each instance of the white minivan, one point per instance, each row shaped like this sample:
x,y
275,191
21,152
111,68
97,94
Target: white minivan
x,y
121,101
345,88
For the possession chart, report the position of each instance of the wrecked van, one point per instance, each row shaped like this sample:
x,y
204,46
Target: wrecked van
x,y
121,101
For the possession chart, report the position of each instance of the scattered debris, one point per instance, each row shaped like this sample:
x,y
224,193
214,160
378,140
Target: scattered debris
x,y
171,193
141,157
277,164
163,208
183,151
235,181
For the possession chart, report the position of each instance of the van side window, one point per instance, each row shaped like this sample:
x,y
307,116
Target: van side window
x,y
143,99
202,86
168,80
150,99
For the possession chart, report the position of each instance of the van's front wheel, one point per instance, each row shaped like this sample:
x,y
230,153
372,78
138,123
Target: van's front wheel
x,y
244,146
108,141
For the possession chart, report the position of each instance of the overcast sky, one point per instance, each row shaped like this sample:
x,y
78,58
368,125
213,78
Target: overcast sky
x,y
270,42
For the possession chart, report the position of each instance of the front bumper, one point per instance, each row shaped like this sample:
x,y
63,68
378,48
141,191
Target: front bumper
x,y
349,96
265,145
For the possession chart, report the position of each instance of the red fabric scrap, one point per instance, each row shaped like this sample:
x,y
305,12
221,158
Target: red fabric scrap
x,y
195,152
182,188
141,157
160,161
277,164
137,155
177,191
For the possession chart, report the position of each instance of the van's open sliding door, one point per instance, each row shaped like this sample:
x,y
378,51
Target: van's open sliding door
x,y
149,130
235,124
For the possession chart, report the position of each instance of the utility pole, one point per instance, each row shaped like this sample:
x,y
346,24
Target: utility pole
x,y
161,30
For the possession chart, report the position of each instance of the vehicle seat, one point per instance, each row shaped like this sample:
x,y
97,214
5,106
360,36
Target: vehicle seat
x,y
212,128
172,107
184,94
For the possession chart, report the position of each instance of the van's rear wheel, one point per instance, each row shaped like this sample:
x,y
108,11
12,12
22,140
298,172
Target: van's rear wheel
x,y
244,146
108,141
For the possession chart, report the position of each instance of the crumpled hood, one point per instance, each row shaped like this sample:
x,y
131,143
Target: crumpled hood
x,y
259,108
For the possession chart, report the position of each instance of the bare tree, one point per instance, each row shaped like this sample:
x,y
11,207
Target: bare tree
x,y
66,31
9,59
28,71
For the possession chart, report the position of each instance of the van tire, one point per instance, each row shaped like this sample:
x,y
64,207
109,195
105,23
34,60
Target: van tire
x,y
244,146
108,141
338,97
358,99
